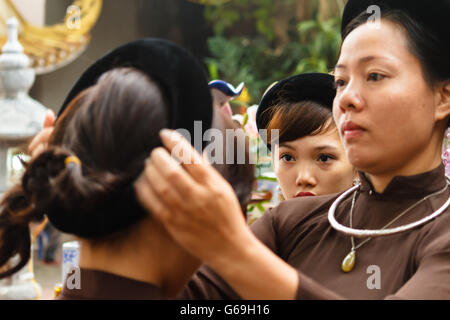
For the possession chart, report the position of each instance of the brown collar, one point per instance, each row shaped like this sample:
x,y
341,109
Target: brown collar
x,y
419,185
95,284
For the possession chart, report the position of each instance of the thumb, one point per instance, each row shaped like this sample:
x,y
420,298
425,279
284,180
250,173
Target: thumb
x,y
49,120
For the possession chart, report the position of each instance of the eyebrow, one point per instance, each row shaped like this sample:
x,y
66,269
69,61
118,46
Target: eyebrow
x,y
284,144
318,148
323,147
360,61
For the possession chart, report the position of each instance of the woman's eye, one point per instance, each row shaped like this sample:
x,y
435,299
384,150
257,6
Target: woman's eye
x,y
375,77
325,158
287,157
339,83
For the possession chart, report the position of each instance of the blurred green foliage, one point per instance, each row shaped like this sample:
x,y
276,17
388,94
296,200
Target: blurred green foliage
x,y
245,46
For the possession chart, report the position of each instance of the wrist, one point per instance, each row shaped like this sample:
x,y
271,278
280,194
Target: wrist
x,y
235,247
255,272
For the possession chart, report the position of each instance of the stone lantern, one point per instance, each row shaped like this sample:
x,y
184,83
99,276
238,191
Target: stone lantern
x,y
21,117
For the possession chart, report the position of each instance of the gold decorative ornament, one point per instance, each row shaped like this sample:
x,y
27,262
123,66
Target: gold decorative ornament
x,y
349,262
72,159
57,291
52,47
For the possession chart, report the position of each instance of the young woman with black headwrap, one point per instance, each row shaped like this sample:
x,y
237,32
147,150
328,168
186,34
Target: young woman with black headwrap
x,y
308,158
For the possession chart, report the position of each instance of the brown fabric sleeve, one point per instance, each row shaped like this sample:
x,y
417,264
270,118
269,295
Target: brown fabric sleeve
x,y
264,229
432,277
430,282
206,284
309,289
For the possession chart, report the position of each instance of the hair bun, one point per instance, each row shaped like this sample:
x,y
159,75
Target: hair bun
x,y
89,205
46,166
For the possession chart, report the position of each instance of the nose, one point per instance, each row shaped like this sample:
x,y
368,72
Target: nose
x,y
305,177
226,107
349,98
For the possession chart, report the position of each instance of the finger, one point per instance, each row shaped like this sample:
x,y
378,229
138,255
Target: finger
x,y
49,120
153,204
182,150
40,139
148,199
163,188
180,147
206,158
171,172
38,150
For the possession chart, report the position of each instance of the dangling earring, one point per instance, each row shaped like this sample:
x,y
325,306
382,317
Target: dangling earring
x,y
280,193
356,181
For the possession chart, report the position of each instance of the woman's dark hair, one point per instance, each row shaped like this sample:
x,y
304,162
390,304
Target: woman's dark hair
x,y
111,127
296,120
423,44
240,175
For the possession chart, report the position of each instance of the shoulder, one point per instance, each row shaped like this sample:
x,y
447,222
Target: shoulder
x,y
293,212
292,216
436,235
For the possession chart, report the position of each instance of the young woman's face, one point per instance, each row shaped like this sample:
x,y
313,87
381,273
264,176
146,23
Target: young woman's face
x,y
384,109
313,165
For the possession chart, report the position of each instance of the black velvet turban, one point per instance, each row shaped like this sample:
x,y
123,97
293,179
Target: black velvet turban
x,y
315,87
175,69
432,15
185,85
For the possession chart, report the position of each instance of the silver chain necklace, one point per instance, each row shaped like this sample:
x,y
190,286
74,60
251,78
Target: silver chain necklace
x,y
349,261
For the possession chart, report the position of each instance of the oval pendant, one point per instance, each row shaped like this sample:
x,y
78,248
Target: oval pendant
x,y
349,262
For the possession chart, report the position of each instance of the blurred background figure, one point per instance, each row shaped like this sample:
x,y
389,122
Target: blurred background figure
x,y
222,93
310,160
48,249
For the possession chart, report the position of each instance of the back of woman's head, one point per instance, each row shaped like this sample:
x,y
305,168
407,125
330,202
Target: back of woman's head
x,y
111,127
296,120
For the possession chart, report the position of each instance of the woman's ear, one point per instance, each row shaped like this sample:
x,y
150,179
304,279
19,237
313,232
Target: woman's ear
x,y
443,96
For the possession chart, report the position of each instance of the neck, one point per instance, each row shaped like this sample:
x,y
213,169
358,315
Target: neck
x,y
427,160
145,253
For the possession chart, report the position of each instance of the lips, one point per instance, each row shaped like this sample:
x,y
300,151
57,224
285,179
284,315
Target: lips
x,y
305,194
350,129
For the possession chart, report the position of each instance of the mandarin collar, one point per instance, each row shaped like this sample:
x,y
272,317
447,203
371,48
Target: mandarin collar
x,y
96,284
418,185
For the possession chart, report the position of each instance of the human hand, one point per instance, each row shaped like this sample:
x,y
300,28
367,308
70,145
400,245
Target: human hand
x,y
200,210
192,200
40,141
